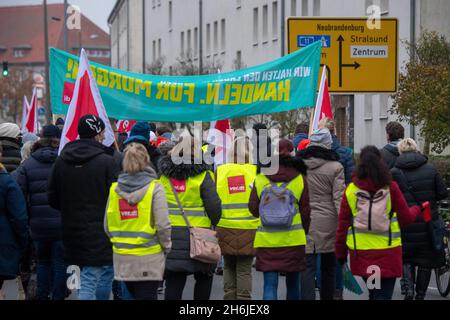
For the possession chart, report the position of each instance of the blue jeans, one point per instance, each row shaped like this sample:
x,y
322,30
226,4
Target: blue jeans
x,y
96,283
271,286
51,270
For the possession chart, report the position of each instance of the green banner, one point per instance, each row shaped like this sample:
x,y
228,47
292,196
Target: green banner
x,y
280,85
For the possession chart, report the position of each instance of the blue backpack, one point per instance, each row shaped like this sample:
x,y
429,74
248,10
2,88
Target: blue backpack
x,y
277,206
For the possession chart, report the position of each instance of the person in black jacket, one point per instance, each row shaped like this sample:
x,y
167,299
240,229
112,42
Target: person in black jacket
x,y
395,132
13,226
79,187
11,140
179,264
419,182
45,222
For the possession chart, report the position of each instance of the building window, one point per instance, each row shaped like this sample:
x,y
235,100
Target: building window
x,y
305,8
181,43
19,53
154,50
188,40
316,8
159,3
239,59
384,106
153,4
255,25
222,35
275,20
384,7
208,38
159,48
293,8
170,14
238,4
195,41
216,36
368,107
265,23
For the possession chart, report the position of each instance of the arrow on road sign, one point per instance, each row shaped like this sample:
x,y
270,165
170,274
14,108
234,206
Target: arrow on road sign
x,y
354,65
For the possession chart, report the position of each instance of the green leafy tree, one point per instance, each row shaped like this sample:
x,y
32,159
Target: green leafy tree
x,y
423,97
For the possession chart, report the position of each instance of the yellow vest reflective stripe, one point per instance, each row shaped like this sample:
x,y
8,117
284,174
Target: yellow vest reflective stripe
x,y
366,239
277,238
234,187
190,200
129,227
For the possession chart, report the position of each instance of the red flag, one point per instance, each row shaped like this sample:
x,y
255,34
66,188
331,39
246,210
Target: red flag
x,y
125,126
86,99
31,125
220,135
323,104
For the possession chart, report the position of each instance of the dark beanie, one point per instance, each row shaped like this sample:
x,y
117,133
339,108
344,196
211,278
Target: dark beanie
x,y
90,126
142,129
285,147
59,121
51,131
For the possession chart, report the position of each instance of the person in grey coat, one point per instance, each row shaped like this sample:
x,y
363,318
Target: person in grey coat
x,y
326,187
142,274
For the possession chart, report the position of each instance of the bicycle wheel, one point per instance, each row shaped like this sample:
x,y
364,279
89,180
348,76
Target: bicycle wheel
x,y
443,280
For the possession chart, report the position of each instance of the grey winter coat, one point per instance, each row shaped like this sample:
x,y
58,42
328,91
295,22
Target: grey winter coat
x,y
179,259
326,184
150,267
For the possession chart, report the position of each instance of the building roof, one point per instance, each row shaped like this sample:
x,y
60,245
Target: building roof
x,y
23,28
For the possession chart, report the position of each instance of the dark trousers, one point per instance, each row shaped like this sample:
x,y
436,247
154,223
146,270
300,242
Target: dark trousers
x,y
327,277
51,270
418,280
386,290
176,281
143,290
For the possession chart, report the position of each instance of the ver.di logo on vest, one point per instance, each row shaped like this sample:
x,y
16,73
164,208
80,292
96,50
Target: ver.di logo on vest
x,y
179,185
236,184
127,211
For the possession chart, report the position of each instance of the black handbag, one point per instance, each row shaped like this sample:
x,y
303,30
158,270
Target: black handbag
x,y
435,227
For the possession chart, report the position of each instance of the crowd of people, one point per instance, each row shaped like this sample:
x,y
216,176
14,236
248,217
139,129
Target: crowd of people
x,y
123,214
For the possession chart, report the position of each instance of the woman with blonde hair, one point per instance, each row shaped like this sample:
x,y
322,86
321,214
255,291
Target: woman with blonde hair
x,y
237,227
137,222
420,182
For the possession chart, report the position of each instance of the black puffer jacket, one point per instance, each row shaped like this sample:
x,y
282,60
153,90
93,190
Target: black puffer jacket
x,y
32,176
178,259
419,182
79,187
11,156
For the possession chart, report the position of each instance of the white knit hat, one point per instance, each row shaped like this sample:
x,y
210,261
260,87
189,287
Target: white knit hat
x,y
9,130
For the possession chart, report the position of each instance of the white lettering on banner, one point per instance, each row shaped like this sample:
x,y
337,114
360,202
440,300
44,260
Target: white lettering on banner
x,y
369,51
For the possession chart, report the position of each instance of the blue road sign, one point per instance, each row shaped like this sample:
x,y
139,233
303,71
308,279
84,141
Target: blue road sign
x,y
306,40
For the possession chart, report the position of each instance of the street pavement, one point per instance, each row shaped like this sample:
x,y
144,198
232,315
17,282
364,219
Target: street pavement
x,y
11,291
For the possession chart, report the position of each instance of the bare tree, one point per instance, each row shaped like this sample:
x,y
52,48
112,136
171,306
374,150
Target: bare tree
x,y
13,88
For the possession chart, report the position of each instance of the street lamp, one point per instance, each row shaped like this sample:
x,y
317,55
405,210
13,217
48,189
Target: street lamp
x,y
48,114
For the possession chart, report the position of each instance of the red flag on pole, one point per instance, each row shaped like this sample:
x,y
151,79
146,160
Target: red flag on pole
x,y
323,104
86,99
221,136
125,126
31,124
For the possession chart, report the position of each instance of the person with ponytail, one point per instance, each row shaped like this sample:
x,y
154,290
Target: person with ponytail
x,y
371,203
137,223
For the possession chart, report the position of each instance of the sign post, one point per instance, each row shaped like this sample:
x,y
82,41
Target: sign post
x,y
358,59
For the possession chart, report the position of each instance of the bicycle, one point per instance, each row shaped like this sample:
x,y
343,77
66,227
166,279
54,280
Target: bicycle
x,y
443,274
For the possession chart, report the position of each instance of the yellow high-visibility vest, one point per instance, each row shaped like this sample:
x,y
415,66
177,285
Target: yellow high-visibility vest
x,y
234,183
367,239
129,226
274,238
188,192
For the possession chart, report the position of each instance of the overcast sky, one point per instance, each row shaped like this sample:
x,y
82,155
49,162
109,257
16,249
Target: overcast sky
x,y
96,10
